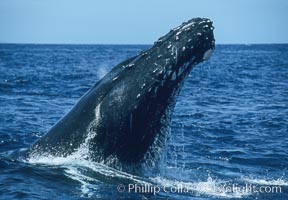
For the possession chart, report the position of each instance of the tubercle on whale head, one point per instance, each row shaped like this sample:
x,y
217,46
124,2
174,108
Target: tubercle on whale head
x,y
192,38
191,41
174,54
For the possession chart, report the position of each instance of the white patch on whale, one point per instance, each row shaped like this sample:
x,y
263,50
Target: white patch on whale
x,y
155,90
167,61
175,52
118,93
130,65
169,72
173,76
178,33
189,25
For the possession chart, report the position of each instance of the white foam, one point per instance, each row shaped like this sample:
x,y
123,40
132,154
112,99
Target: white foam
x,y
101,71
210,187
73,164
81,154
83,150
278,182
86,187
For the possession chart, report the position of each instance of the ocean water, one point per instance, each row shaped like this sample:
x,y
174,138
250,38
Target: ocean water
x,y
229,131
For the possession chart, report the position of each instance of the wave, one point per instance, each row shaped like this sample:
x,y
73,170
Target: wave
x,y
90,174
278,182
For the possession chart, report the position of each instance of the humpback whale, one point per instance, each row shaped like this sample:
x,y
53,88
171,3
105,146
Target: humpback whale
x,y
125,117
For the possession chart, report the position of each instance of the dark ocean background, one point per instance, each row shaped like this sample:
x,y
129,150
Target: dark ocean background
x,y
230,124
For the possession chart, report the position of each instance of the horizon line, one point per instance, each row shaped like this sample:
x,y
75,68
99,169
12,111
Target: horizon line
x,y
30,43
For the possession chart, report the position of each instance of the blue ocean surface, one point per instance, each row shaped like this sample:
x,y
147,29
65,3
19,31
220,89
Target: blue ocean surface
x,y
229,131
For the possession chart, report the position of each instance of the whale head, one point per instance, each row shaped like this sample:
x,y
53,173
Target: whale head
x,y
137,108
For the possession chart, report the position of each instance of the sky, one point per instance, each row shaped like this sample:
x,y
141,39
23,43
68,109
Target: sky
x,y
139,22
